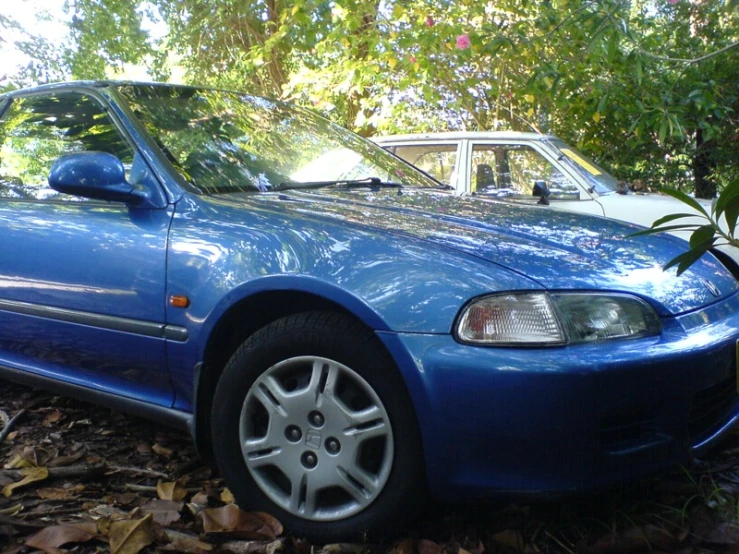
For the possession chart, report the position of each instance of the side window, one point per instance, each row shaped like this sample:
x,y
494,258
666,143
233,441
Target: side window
x,y
511,171
438,160
36,130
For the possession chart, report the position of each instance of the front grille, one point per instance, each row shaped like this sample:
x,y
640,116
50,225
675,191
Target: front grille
x,y
624,431
711,408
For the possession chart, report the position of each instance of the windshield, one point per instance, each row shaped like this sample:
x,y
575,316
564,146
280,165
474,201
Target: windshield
x,y
228,142
600,180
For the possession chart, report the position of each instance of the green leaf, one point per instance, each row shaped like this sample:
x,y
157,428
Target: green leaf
x,y
701,235
662,130
671,217
726,196
687,259
667,229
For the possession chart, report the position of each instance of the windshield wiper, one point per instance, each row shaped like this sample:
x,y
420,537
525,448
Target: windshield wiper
x,y
369,182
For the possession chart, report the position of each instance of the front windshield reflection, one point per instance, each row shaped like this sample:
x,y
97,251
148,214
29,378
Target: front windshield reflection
x,y
601,181
228,142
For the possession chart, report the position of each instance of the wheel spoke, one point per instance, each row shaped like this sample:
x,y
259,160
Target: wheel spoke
x,y
303,496
361,486
332,378
367,424
269,392
261,453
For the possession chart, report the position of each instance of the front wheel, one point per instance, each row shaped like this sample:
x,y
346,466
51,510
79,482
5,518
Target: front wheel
x,y
312,423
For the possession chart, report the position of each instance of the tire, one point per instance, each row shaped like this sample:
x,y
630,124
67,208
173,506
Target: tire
x,y
312,423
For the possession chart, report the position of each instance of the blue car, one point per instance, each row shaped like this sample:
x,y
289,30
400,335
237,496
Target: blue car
x,y
337,331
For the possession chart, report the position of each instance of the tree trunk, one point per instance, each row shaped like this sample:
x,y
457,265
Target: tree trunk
x,y
704,166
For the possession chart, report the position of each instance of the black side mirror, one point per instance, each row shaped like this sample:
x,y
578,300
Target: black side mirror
x,y
542,191
97,175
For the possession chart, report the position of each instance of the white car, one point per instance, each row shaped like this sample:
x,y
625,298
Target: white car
x,y
536,169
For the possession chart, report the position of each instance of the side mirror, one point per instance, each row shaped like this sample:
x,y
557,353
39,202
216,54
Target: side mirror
x,y
97,175
542,191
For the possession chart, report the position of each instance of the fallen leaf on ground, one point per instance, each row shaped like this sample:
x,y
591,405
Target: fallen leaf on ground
x,y
405,546
51,417
51,538
165,512
245,525
63,461
130,536
36,456
427,547
510,538
31,475
162,450
171,490
59,494
227,497
724,533
11,510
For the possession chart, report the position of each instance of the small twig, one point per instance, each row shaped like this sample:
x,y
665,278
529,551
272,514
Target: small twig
x,y
145,488
58,512
140,488
7,520
9,426
140,471
61,472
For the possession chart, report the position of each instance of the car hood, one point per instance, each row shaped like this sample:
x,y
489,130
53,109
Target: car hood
x,y
644,209
557,249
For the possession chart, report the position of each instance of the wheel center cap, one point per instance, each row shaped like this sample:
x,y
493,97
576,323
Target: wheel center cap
x,y
313,439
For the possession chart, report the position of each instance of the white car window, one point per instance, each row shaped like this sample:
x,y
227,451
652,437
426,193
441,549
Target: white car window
x,y
438,160
511,170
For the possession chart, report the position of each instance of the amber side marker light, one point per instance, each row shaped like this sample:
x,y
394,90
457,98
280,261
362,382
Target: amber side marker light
x,y
179,301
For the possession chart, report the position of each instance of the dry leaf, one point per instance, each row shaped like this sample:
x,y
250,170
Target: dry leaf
x,y
51,538
51,417
31,475
227,496
244,525
63,461
130,536
724,533
510,538
428,547
165,512
60,494
18,462
162,450
171,491
200,498
36,456
405,547
181,542
11,510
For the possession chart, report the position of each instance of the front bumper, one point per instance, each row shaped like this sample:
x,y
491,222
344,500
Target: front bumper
x,y
496,421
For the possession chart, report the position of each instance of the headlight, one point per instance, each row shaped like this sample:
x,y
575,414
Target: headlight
x,y
537,318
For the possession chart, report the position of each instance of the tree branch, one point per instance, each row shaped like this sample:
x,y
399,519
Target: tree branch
x,y
688,60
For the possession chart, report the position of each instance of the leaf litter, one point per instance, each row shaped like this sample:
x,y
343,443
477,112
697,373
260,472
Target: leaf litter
x,y
80,478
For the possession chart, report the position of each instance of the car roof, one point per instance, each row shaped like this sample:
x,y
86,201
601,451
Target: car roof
x,y
458,135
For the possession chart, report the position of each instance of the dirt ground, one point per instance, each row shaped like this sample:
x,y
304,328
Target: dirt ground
x,y
80,478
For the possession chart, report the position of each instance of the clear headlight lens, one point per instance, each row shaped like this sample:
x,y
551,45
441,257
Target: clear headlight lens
x,y
536,318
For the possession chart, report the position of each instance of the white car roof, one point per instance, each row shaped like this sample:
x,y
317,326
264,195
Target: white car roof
x,y
457,135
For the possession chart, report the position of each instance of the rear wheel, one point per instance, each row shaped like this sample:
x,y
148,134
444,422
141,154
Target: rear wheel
x,y
312,423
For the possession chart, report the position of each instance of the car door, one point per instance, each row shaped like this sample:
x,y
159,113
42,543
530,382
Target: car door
x,y
82,282
515,171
